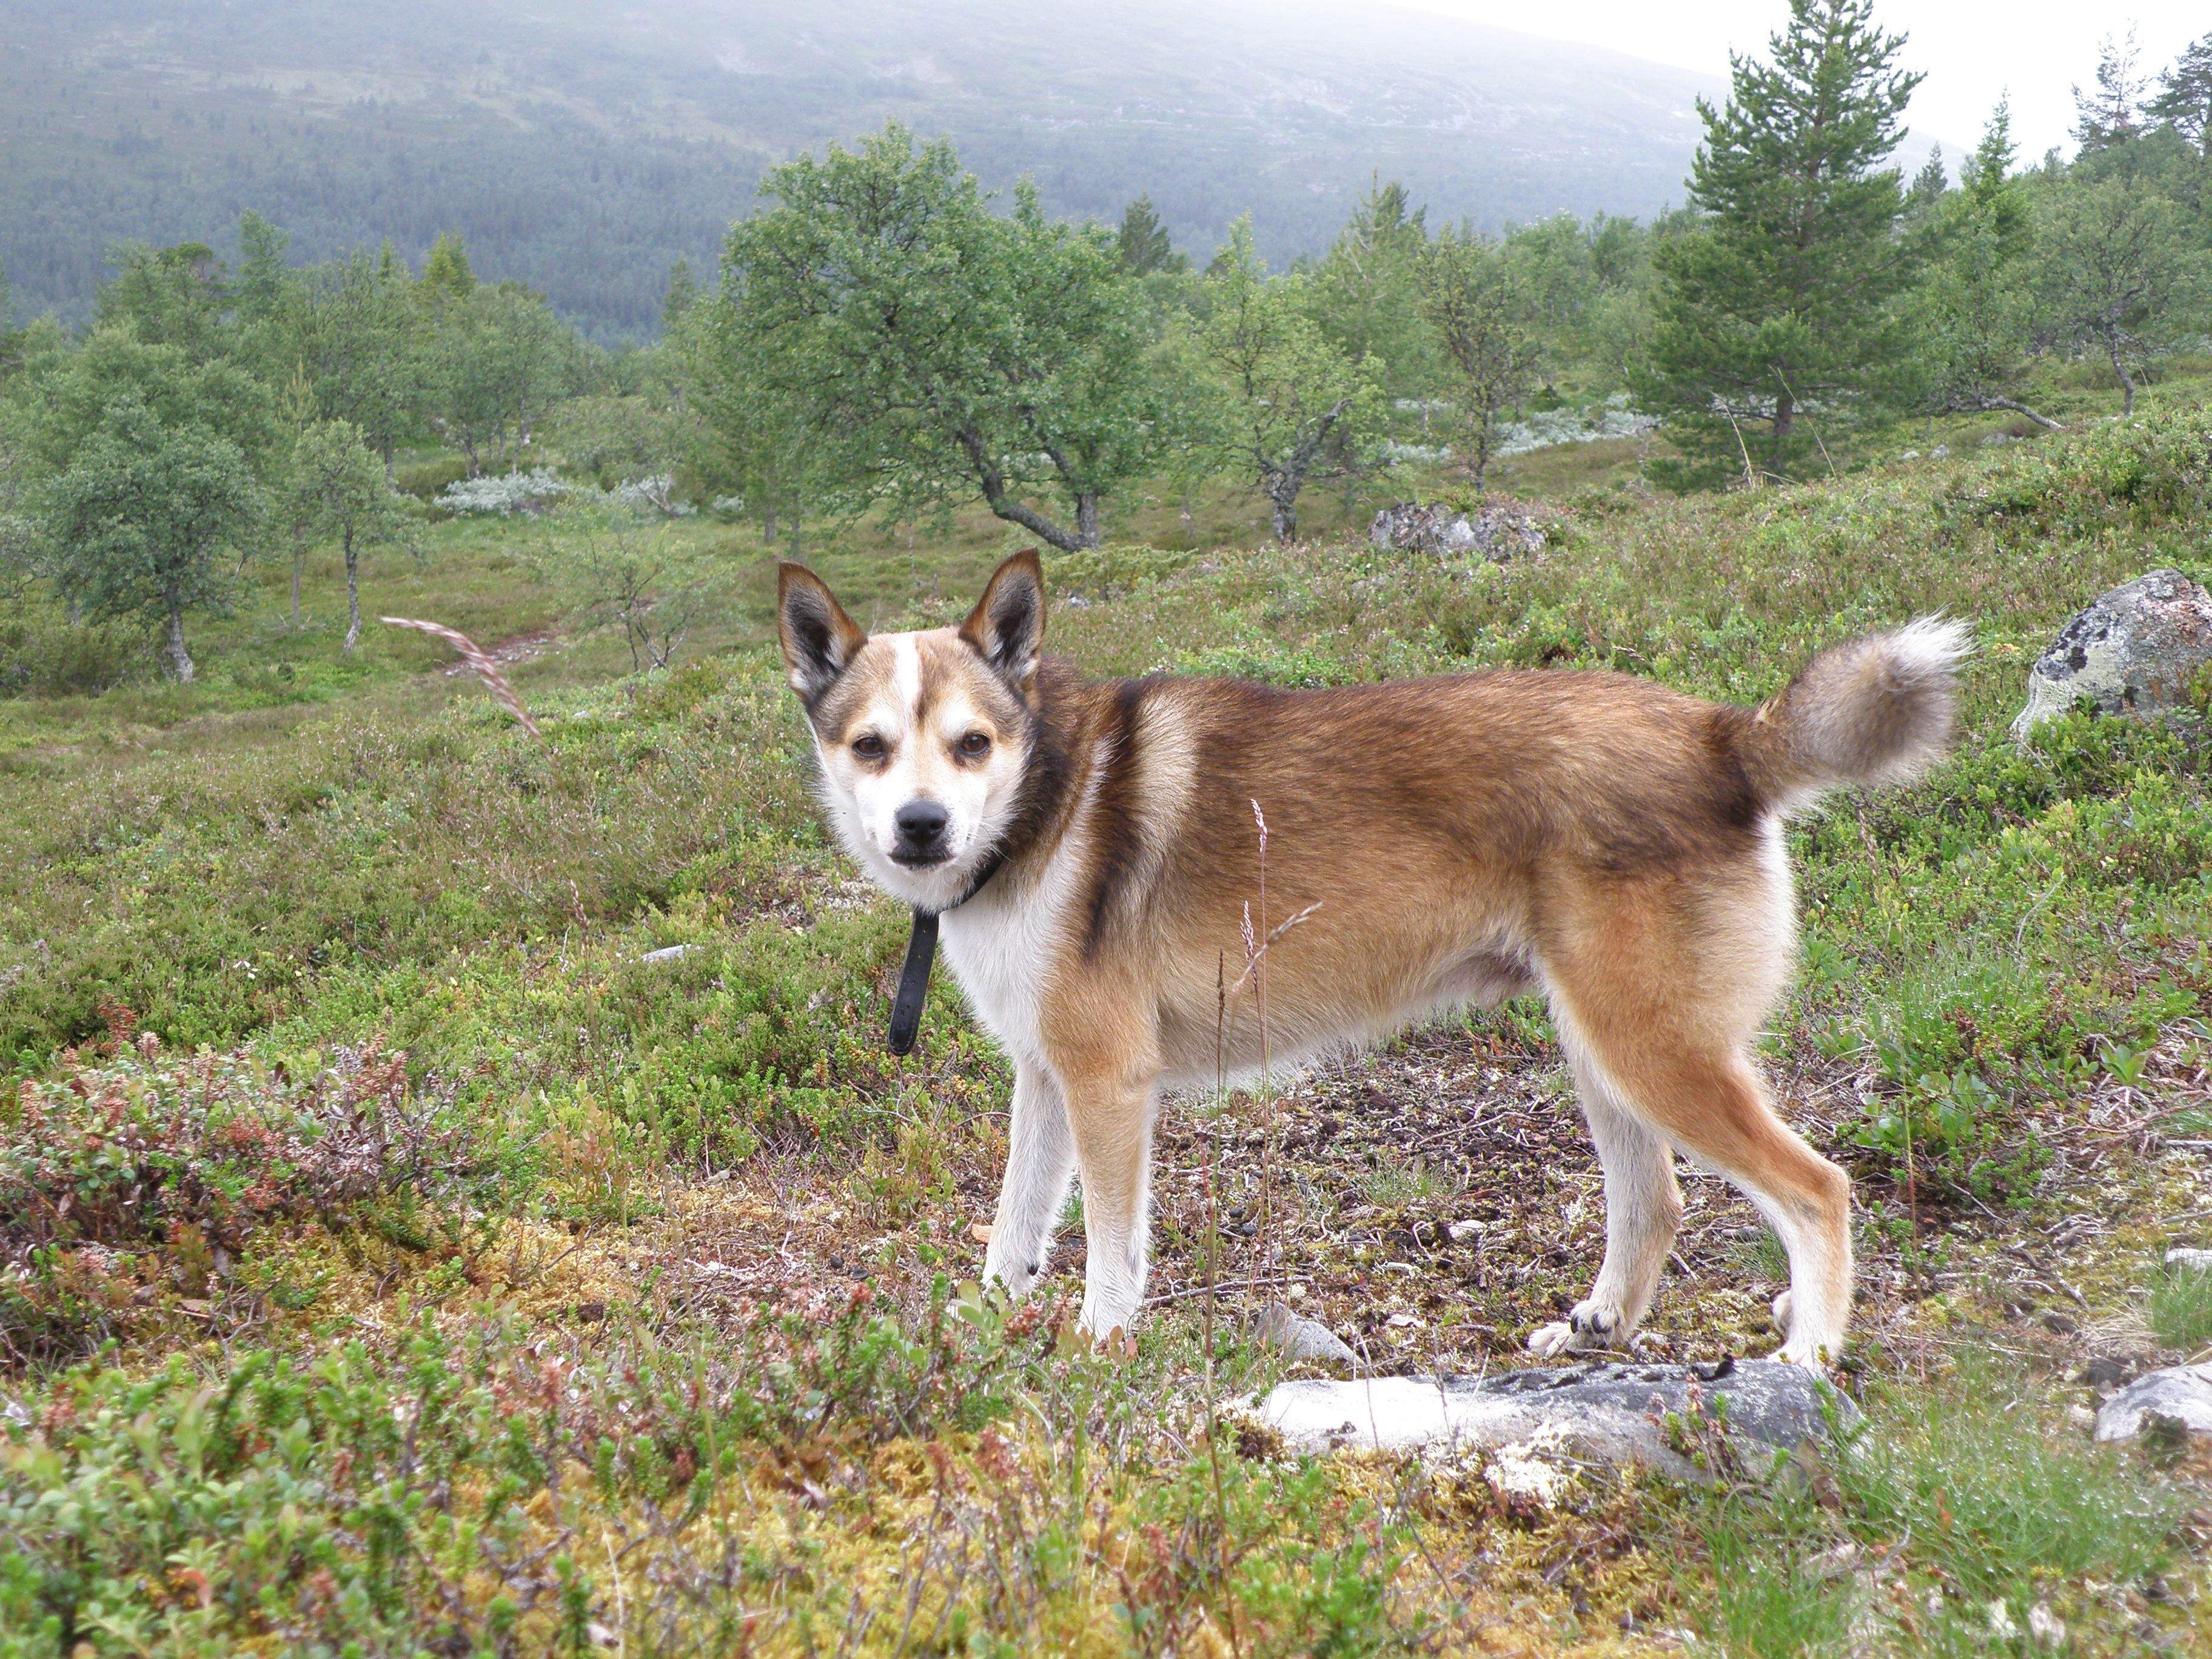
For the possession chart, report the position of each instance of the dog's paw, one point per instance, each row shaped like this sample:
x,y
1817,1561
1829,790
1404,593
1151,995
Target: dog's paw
x,y
1782,1306
1547,1340
1589,1326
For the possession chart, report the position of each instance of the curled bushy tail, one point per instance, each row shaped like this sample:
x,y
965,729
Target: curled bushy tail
x,y
1878,710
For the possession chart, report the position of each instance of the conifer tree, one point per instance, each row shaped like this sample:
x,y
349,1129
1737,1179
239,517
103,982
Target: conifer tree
x,y
1143,242
1787,293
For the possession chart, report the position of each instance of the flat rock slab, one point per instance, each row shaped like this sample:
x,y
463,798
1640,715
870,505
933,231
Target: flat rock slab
x,y
1609,1413
2138,650
2180,1393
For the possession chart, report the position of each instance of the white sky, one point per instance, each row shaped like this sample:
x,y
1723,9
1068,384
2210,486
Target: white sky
x,y
1972,51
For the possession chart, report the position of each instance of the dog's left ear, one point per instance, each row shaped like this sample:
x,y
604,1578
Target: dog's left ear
x,y
1008,624
819,639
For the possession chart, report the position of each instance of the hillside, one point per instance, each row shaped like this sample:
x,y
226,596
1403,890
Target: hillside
x,y
396,1256
583,149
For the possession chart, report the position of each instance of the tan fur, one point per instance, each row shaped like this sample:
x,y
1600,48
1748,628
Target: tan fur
x,y
1600,838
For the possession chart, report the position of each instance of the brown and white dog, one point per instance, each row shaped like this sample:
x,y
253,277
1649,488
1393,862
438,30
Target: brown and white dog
x,y
1457,840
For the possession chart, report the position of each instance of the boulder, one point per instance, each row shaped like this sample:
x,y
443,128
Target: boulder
x,y
2178,1395
1298,1338
1606,1412
1497,530
2136,651
2189,1260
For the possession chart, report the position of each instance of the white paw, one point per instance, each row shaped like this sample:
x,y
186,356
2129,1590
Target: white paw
x,y
1589,1326
1109,1319
1009,1270
1782,1305
1547,1340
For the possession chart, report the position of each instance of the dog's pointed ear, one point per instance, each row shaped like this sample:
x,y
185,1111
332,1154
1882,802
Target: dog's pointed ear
x,y
1008,624
819,639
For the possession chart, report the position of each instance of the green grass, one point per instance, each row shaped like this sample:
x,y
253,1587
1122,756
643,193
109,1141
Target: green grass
x,y
293,1363
2180,1309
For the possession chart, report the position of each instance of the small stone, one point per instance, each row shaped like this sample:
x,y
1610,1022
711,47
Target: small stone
x,y
2045,1626
1460,1232
2179,1394
2000,1624
2081,1418
1297,1337
2193,1260
668,953
2138,649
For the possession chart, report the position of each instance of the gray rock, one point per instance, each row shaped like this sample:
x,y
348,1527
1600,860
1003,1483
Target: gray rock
x,y
2183,1392
1497,530
1298,1338
667,953
1606,1412
2182,1256
2135,651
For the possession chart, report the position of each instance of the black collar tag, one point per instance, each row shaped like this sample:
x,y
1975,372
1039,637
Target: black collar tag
x,y
921,954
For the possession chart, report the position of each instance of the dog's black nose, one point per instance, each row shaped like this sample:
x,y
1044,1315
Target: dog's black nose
x,y
921,825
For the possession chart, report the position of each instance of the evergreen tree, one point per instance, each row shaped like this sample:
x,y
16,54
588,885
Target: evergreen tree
x,y
258,292
682,294
2184,103
445,274
2110,114
1979,310
1787,291
1143,243
1365,293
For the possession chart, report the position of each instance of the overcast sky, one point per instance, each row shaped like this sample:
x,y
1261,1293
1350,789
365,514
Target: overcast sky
x,y
1972,51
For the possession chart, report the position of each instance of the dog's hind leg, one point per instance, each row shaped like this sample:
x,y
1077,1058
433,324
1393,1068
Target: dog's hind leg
x,y
1665,988
1642,1208
1040,1164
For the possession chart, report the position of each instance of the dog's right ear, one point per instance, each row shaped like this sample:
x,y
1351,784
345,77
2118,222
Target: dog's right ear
x,y
819,639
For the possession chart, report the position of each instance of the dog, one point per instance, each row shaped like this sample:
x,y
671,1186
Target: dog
x,y
1090,849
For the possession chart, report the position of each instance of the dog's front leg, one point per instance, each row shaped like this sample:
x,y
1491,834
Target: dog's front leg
x,y
1111,1117
1040,1161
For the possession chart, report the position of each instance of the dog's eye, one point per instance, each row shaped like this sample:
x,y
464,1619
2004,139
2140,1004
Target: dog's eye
x,y
975,746
868,746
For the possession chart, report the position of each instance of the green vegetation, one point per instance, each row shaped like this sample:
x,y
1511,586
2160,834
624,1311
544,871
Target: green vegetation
x,y
453,1195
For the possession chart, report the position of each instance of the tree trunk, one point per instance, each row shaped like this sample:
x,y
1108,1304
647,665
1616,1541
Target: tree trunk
x,y
1086,517
992,483
353,595
391,472
1283,497
2120,368
179,659
2019,408
475,467
1785,417
768,521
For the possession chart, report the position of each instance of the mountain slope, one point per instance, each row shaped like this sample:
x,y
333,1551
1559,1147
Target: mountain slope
x,y
582,148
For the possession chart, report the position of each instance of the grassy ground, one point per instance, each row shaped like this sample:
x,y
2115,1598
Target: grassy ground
x,y
396,1262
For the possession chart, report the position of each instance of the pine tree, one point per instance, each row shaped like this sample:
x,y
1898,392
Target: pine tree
x,y
2112,114
445,274
683,294
2185,98
1785,294
1143,242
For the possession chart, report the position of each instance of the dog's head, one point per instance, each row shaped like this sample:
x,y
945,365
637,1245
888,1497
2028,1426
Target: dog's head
x,y
924,737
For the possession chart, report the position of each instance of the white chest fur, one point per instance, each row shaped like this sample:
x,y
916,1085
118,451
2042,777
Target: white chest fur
x,y
1000,946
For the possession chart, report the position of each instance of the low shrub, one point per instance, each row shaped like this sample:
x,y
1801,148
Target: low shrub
x,y
139,1183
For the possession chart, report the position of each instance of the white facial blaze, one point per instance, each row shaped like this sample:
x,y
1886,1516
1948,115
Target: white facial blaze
x,y
924,764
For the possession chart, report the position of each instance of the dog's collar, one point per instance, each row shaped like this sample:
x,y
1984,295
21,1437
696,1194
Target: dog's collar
x,y
921,952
